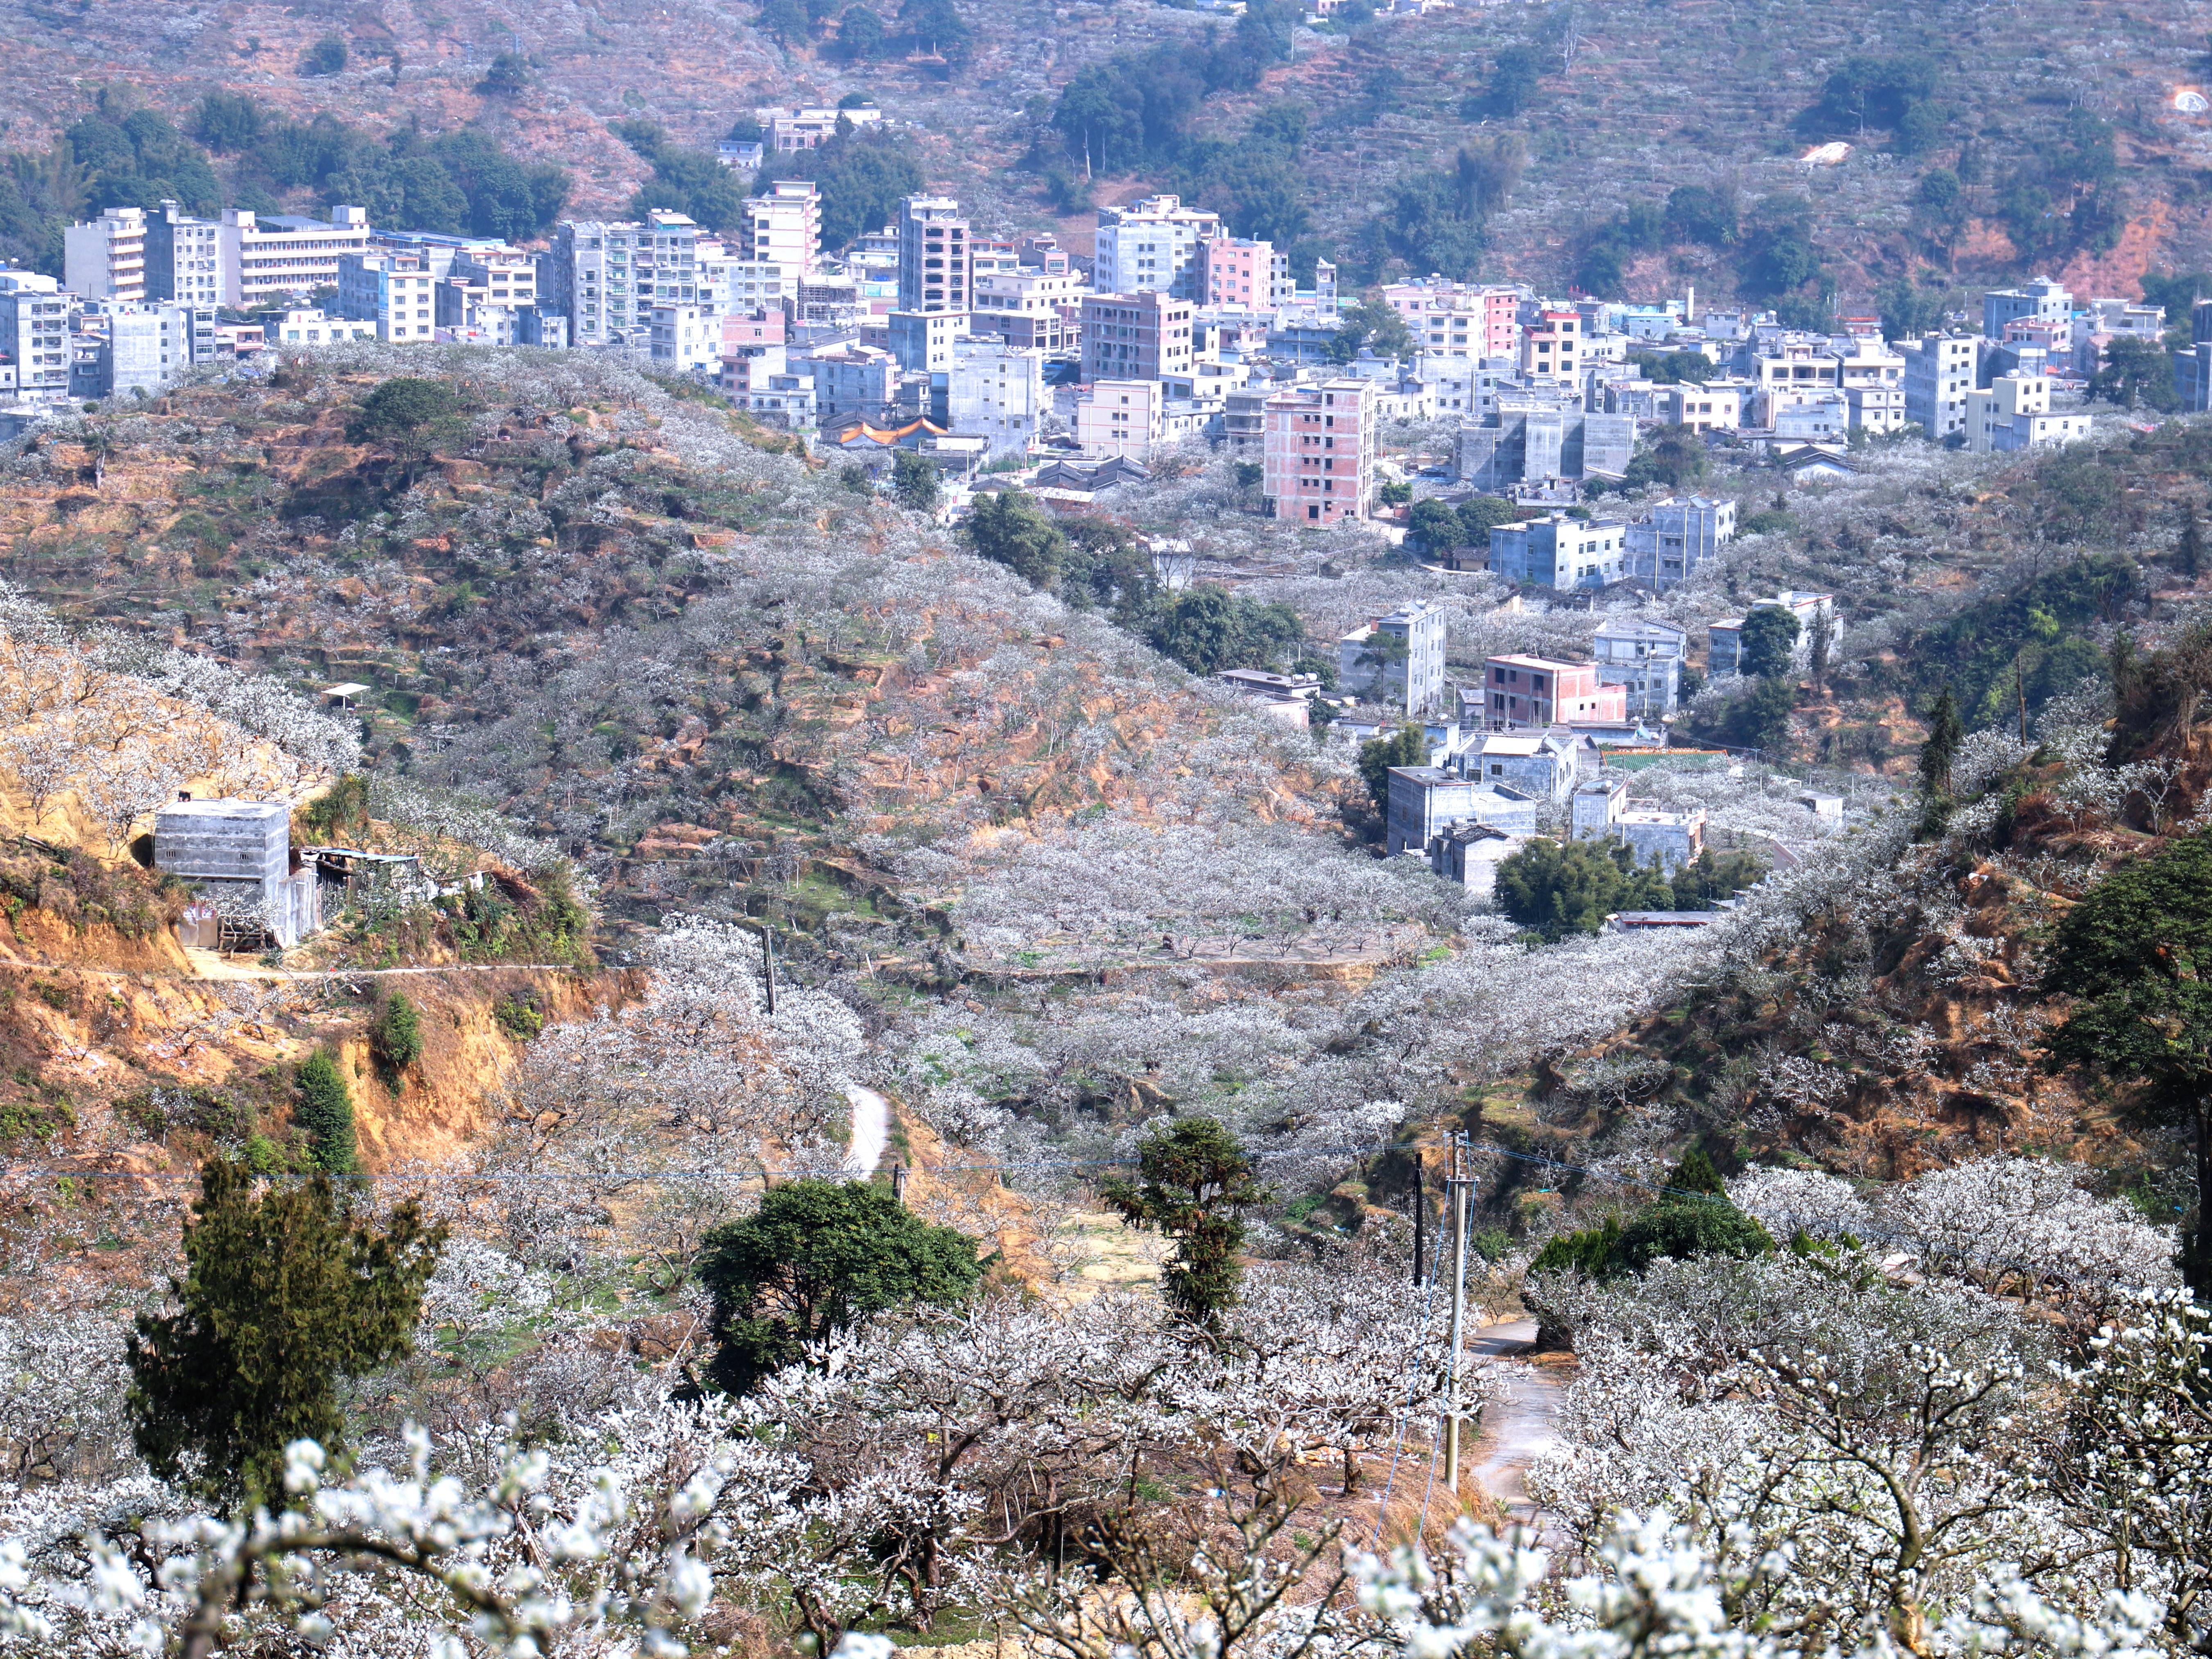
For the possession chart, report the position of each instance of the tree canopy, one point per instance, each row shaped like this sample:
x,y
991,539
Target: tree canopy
x,y
1195,1183
282,1294
815,1257
1767,641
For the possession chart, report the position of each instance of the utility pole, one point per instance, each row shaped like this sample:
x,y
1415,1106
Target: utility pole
x,y
768,944
898,1182
1420,1216
1457,1196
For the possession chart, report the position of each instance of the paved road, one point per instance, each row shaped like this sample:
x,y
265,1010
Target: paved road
x,y
1517,1422
871,1130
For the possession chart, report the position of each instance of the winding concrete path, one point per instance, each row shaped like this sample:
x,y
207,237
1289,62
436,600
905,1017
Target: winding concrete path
x,y
1516,1424
871,1131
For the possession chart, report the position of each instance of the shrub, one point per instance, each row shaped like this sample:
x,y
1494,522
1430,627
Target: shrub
x,y
325,1112
396,1036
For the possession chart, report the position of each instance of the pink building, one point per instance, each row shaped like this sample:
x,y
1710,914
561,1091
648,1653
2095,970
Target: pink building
x,y
1537,692
1458,320
1237,270
1319,456
763,327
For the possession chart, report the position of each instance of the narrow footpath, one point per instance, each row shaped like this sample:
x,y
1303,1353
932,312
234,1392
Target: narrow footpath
x,y
871,1131
1516,1424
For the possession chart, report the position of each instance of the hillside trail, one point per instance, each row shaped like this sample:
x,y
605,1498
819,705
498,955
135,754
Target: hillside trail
x,y
871,1131
1518,1422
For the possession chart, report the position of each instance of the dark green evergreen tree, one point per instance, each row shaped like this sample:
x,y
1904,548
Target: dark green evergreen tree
x,y
1194,1183
1945,734
2133,953
816,1256
1407,746
282,1294
325,1113
2189,552
396,1036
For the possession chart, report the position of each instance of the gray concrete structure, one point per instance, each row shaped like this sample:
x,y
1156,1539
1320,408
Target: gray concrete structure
x,y
1534,434
239,854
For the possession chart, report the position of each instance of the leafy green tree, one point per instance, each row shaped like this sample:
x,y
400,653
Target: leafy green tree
x,y
1672,455
1675,368
2136,372
936,27
397,1035
1768,641
863,175
325,1111
1195,1183
228,122
2132,954
914,481
507,77
411,417
1407,746
1480,514
861,35
282,1294
1945,734
786,21
327,56
1512,84
1009,528
1696,213
814,1258
1435,523
1372,325
1683,1229
1557,888
1939,211
1704,879
1207,628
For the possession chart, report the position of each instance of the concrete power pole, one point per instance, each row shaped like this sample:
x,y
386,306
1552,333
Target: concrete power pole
x,y
1455,1197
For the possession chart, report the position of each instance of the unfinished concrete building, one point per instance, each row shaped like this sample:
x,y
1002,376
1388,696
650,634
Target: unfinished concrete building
x,y
240,855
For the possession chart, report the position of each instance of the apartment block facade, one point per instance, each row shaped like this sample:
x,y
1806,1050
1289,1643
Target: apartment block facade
x,y
1151,245
783,226
1318,458
1397,661
1556,552
1136,335
271,258
1463,319
393,291
607,277
1539,691
34,332
1938,373
1039,309
1237,270
936,270
1120,419
106,259
997,393
183,259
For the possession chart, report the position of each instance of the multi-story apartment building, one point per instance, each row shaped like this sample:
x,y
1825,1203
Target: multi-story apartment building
x,y
1238,270
1643,657
183,259
606,278
1397,661
936,270
147,345
1681,534
729,285
921,341
1135,336
297,326
783,227
436,249
505,276
1787,372
1938,373
393,291
106,259
1556,552
268,258
997,393
2014,412
1121,418
1540,691
1716,406
1317,462
1464,319
1152,244
686,338
34,335
2040,298
1551,345
1027,308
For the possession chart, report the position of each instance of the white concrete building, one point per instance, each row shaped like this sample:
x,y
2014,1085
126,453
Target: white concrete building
x,y
1938,373
606,277
936,270
393,291
783,226
686,338
2014,412
997,393
1152,244
106,259
269,258
34,335
1121,418
1397,661
146,347
183,259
